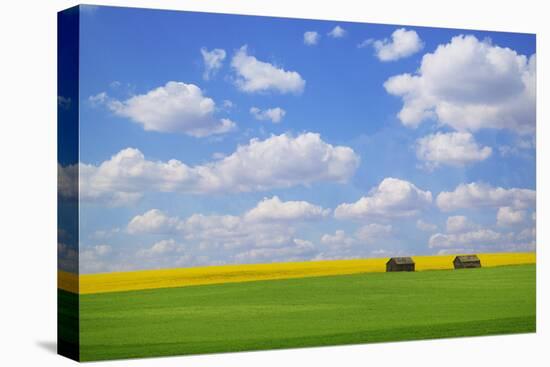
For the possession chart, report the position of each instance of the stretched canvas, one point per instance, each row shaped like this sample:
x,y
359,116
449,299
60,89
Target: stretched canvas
x,y
232,183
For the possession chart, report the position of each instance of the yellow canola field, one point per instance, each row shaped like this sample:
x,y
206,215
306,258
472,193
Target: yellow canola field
x,y
169,278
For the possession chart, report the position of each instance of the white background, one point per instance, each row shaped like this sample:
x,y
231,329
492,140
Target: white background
x,y
28,182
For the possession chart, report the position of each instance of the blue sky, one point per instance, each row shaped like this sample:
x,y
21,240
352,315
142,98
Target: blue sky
x,y
358,140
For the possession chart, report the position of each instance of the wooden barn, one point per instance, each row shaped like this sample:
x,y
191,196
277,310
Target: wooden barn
x,y
467,262
400,264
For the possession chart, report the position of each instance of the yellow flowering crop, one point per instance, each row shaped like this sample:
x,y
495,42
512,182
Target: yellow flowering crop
x,y
167,278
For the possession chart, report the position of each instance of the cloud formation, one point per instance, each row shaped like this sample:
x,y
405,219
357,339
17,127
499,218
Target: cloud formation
x,y
484,240
154,221
459,224
482,195
338,239
67,179
233,232
364,235
213,61
260,165
91,259
508,216
470,239
161,248
173,108
253,75
311,38
372,232
337,32
469,85
273,209
403,44
267,225
391,198
453,149
274,115
64,102
297,250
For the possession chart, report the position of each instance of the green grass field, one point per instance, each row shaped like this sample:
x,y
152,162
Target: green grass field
x,y
307,312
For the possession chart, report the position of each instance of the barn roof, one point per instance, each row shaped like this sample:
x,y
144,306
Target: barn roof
x,y
402,260
467,258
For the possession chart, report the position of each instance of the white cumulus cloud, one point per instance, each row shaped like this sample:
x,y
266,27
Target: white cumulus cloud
x,y
273,209
484,240
267,225
459,224
391,198
470,85
274,115
337,32
469,239
366,234
403,43
213,61
153,221
93,258
257,166
253,75
231,232
480,195
176,108
453,149
373,232
161,248
311,38
338,239
507,216
296,250
98,99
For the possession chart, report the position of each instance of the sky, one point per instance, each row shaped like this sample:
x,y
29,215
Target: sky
x,y
209,139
